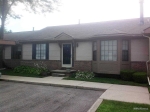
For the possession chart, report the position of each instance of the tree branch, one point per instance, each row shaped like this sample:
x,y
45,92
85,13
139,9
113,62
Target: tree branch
x,y
9,8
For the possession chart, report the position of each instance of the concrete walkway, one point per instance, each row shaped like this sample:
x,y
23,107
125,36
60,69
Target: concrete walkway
x,y
116,92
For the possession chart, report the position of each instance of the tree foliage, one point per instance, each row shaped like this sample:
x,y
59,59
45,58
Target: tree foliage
x,y
36,6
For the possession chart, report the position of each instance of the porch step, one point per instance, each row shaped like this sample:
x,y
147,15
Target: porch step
x,y
58,75
64,68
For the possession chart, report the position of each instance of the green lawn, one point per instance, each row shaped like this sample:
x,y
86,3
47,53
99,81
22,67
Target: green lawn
x,y
108,80
117,106
10,72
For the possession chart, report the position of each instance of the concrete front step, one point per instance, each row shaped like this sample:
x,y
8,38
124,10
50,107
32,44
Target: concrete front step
x,y
58,75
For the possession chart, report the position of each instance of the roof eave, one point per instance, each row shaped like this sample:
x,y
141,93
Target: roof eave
x,y
7,42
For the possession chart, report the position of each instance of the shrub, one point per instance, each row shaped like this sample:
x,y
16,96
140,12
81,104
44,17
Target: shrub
x,y
127,74
140,77
84,75
29,70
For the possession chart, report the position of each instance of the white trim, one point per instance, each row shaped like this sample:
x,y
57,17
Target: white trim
x,y
66,65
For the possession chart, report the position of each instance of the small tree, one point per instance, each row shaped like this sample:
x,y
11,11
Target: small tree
x,y
36,6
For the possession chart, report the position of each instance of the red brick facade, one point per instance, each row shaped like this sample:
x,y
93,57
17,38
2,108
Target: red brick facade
x,y
51,64
11,63
83,65
77,65
138,66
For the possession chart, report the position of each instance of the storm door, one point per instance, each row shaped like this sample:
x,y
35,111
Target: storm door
x,y
67,55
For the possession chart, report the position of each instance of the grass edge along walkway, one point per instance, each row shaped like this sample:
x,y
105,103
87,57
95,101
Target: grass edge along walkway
x,y
118,106
108,80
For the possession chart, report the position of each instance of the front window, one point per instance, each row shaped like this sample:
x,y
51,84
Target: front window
x,y
125,50
16,52
94,51
40,51
109,50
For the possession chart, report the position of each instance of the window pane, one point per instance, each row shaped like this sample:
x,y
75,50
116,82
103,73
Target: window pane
x,y
102,43
102,52
106,47
109,50
115,42
102,48
102,57
110,57
106,57
114,47
106,53
110,43
114,58
106,42
114,52
40,51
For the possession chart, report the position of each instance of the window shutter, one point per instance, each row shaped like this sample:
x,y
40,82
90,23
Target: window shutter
x,y
12,52
33,51
47,50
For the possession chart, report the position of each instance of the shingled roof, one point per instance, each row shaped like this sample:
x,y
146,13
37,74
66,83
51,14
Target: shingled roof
x,y
83,31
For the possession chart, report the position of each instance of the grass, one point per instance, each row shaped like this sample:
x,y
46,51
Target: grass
x,y
10,72
117,106
108,80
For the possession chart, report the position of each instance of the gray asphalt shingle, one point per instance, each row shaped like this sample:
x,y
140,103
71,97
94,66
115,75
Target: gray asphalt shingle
x,y
83,31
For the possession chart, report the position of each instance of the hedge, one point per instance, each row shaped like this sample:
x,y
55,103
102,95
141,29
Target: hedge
x,y
140,77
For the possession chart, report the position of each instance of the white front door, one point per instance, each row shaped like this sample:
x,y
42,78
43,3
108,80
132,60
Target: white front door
x,y
66,55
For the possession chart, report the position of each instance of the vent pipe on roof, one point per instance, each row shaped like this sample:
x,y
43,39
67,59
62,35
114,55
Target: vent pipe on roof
x,y
33,29
141,12
79,21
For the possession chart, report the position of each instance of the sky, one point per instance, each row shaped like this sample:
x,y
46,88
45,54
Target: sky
x,y
71,11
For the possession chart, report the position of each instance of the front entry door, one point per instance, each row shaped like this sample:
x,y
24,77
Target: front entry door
x,y
67,55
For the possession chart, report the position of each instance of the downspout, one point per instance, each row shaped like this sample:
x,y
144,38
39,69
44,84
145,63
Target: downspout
x,y
148,59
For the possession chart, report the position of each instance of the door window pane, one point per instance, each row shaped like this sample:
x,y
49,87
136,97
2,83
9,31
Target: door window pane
x,y
66,53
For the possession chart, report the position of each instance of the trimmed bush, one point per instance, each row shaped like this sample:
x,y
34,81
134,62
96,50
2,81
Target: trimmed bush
x,y
84,75
140,77
29,70
127,75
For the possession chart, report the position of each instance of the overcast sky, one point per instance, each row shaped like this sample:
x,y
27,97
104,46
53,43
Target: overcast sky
x,y
70,11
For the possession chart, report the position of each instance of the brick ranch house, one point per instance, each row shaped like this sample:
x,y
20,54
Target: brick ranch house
x,y
102,47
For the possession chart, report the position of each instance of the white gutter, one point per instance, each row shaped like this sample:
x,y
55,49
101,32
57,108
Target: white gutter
x,y
148,60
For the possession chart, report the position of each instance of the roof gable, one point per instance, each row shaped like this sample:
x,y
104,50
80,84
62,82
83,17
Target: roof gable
x,y
63,36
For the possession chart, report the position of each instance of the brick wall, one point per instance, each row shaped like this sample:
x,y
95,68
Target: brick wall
x,y
83,65
51,64
138,66
9,63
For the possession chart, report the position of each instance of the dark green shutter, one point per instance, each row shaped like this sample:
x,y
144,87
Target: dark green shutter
x,y
12,55
47,50
33,51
